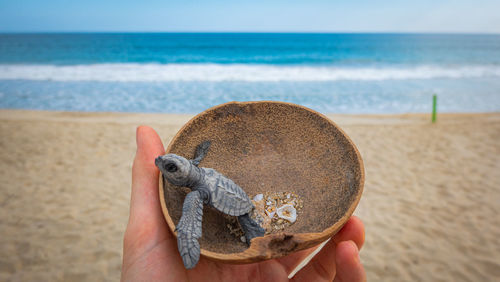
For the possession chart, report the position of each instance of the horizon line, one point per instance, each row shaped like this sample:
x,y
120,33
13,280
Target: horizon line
x,y
253,32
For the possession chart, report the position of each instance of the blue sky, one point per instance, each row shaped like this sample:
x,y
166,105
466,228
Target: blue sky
x,y
247,16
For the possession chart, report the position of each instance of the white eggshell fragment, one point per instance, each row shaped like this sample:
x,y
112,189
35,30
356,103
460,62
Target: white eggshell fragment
x,y
287,212
258,197
270,211
270,214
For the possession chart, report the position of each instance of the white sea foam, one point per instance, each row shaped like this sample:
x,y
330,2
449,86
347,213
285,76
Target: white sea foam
x,y
235,72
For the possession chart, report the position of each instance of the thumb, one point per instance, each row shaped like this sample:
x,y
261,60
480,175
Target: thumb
x,y
146,225
149,248
144,201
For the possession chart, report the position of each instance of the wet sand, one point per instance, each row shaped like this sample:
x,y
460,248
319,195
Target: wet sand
x,y
431,201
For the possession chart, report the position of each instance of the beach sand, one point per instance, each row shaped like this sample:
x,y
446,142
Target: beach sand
x,y
431,202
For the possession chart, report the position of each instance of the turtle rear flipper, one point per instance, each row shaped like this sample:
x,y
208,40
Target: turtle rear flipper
x,y
201,152
189,229
251,228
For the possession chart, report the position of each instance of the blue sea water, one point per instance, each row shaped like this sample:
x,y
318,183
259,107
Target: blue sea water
x,y
189,72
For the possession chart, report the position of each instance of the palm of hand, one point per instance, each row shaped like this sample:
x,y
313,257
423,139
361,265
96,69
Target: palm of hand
x,y
150,250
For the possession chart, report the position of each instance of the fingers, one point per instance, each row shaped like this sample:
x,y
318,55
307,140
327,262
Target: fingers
x,y
321,267
291,261
353,230
349,267
325,265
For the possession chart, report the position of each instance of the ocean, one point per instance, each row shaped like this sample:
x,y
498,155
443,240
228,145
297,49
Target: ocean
x,y
190,72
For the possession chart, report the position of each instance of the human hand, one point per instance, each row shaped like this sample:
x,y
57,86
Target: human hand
x,y
150,249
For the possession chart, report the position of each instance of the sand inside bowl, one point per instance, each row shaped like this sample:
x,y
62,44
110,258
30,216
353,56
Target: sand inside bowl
x,y
271,147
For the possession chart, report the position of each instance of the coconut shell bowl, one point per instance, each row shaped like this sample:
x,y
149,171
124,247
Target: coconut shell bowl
x,y
270,147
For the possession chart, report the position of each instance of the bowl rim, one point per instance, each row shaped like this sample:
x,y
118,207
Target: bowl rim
x,y
258,250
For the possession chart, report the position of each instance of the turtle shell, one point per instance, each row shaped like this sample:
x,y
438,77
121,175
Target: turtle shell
x,y
225,195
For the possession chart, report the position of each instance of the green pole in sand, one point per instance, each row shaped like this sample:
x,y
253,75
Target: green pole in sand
x,y
434,106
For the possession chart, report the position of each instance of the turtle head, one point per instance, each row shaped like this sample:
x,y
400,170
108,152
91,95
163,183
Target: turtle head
x,y
174,168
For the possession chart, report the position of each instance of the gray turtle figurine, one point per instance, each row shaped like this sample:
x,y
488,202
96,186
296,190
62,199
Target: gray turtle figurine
x,y
207,187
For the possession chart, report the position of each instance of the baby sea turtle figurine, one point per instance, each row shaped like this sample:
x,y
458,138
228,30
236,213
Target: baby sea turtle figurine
x,y
207,187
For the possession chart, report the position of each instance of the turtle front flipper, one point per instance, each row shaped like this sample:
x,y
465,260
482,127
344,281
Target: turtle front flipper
x,y
189,229
201,152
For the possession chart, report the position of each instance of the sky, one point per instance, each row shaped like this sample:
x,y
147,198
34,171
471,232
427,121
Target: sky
x,y
462,16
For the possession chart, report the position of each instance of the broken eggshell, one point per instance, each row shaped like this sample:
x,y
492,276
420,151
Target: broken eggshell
x,y
287,212
258,197
270,147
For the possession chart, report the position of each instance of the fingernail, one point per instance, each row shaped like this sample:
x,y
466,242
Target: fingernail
x,y
137,136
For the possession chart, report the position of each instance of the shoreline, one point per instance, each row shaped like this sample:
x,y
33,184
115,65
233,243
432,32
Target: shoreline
x,y
128,117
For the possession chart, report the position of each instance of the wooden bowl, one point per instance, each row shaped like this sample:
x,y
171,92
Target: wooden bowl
x,y
274,147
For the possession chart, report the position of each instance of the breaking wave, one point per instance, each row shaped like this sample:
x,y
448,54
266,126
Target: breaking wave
x,y
235,72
